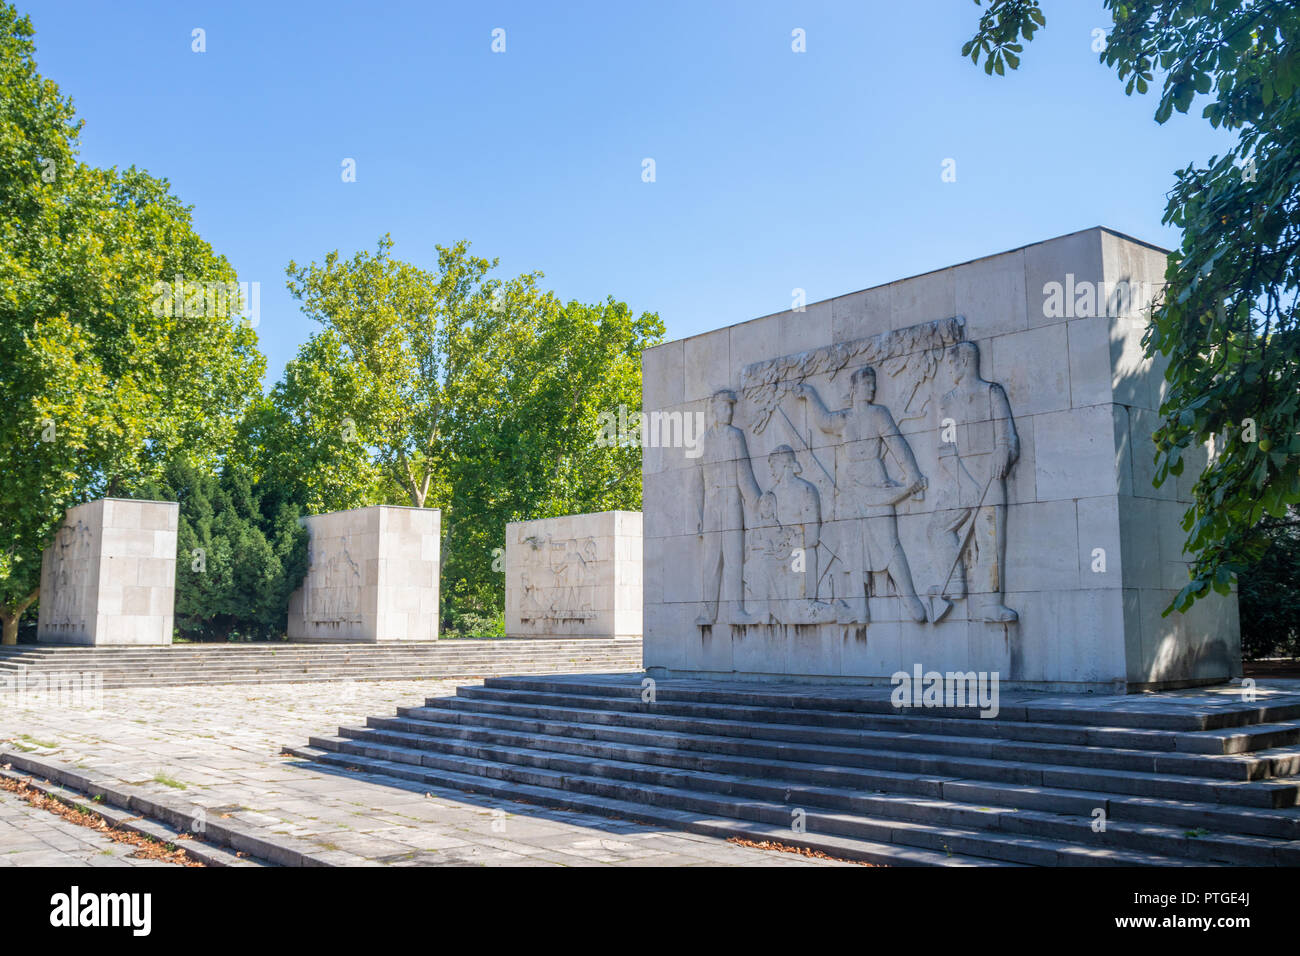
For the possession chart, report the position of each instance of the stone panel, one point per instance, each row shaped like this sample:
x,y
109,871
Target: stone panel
x,y
575,576
373,577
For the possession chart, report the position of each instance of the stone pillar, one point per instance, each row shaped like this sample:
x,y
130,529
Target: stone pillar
x,y
952,470
372,578
574,576
109,577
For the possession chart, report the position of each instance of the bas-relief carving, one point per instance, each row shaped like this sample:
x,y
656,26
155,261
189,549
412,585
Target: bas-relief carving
x,y
822,539
332,593
970,532
70,569
554,583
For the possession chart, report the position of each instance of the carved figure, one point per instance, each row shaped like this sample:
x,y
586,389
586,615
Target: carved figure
x,y
978,448
866,493
724,485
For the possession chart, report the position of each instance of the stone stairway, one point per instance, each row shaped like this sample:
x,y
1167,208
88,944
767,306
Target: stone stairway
x,y
1182,778
279,663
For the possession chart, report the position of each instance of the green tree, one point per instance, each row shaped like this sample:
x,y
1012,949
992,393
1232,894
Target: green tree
x,y
455,389
240,553
302,437
99,386
1270,613
1228,321
537,453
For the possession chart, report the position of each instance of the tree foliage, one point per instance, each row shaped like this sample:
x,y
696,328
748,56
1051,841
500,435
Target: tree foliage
x,y
1228,322
240,553
1270,613
455,389
98,388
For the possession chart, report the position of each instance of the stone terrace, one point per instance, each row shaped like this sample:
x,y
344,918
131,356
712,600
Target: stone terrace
x,y
224,744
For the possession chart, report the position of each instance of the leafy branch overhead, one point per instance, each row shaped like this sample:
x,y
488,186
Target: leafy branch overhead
x,y
1228,325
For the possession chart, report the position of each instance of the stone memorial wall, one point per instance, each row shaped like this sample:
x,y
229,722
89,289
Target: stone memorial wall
x,y
372,577
952,470
574,576
109,577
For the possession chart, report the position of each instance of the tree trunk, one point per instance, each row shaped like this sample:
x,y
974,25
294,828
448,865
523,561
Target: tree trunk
x,y
10,616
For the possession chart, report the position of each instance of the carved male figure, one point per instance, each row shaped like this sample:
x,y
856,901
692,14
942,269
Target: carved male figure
x,y
978,447
866,494
724,486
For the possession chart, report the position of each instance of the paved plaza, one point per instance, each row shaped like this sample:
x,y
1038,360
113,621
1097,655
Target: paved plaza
x,y
217,750
30,836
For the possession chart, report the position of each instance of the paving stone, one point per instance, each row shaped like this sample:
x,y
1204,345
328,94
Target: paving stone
x,y
225,743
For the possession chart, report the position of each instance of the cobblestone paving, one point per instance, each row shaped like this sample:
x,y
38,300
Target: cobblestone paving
x,y
219,749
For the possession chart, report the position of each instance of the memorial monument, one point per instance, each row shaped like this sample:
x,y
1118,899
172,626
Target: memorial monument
x,y
109,577
574,576
372,577
952,470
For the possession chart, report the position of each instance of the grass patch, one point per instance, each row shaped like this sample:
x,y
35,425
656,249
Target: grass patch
x,y
167,781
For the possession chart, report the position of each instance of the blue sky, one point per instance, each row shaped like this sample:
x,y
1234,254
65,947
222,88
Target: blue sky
x,y
774,170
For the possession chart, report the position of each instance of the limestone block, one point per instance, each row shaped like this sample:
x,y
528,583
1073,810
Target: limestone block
x,y
990,293
575,576
109,576
373,577
860,314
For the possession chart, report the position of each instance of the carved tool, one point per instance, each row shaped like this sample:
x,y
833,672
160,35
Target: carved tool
x,y
807,447
938,612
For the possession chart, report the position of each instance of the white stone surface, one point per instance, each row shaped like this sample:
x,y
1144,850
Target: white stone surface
x,y
109,577
1092,549
574,576
373,577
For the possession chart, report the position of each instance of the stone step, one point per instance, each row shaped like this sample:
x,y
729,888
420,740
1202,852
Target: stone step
x,y
763,726
150,667
184,665
1003,846
276,647
169,660
284,649
494,728
1227,741
1133,711
1283,824
289,677
850,798
399,774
